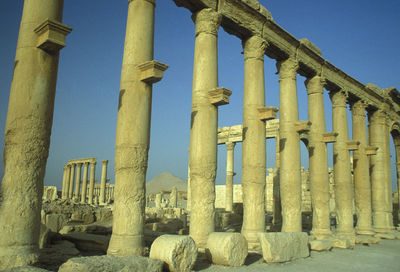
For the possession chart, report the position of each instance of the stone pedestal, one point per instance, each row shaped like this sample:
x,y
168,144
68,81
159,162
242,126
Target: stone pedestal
x,y
318,159
254,143
138,73
28,129
204,122
230,148
382,217
103,182
341,166
91,182
84,182
289,146
362,183
77,180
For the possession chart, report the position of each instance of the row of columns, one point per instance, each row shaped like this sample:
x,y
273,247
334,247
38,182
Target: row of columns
x,y
71,185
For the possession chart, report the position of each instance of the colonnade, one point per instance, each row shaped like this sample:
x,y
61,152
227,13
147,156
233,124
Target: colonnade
x,y
30,113
72,181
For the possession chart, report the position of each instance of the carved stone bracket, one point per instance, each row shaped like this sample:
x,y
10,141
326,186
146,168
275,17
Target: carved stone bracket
x,y
302,126
152,71
51,36
219,96
371,150
329,137
352,145
267,113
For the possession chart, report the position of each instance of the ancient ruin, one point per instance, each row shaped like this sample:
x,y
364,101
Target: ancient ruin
x,y
279,216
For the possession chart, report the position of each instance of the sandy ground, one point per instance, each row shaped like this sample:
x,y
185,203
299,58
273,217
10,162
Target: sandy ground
x,y
383,257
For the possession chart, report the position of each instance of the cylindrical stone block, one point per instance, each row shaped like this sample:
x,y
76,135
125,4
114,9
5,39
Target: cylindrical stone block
x,y
204,127
289,147
227,248
177,251
27,134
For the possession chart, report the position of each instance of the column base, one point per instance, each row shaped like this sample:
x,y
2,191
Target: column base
x,y
365,231
253,242
320,234
126,245
382,222
17,256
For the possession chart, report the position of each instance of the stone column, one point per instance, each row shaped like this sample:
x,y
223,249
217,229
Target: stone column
x,y
362,183
64,181
254,143
71,181
28,129
67,179
398,185
102,200
139,72
230,148
204,122
91,182
318,159
188,199
173,198
289,146
84,182
382,217
77,180
341,166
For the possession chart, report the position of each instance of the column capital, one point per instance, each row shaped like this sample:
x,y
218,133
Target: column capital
x,y
287,68
104,161
358,107
79,164
338,98
230,145
254,48
207,21
315,85
150,1
86,163
377,116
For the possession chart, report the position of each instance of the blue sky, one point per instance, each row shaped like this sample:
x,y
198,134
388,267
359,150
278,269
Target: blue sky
x,y
359,37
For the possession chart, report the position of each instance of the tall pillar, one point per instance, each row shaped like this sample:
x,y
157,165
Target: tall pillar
x,y
84,182
381,212
67,179
204,122
91,182
318,159
230,148
102,200
139,72
254,143
77,180
28,129
64,182
362,183
341,166
189,198
71,181
289,146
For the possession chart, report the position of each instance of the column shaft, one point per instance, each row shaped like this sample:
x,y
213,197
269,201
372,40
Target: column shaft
x,y
67,179
64,182
77,180
133,133
230,148
318,159
84,182
362,183
341,165
381,212
91,182
27,136
253,147
103,182
204,121
289,147
71,181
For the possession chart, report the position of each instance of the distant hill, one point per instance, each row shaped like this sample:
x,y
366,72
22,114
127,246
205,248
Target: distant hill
x,y
165,181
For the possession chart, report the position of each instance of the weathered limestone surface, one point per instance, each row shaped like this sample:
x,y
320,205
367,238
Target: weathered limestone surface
x,y
289,146
28,129
89,242
364,239
253,147
107,263
25,269
204,123
228,249
49,193
279,247
173,198
318,160
178,252
321,245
